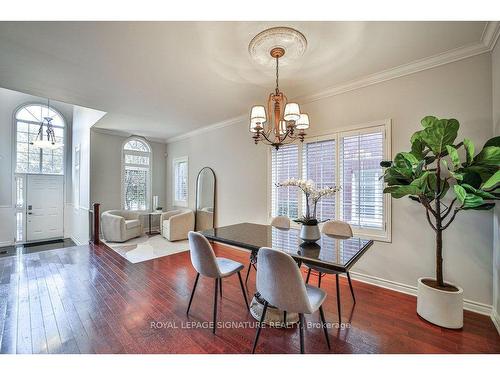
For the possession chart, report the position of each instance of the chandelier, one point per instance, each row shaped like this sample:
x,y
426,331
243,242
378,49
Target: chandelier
x,y
49,142
282,123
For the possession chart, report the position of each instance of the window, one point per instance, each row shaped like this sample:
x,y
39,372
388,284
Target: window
x,y
31,159
319,163
362,198
285,200
136,174
180,188
350,160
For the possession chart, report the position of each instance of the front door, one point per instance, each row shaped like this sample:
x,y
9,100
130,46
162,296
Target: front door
x,y
44,207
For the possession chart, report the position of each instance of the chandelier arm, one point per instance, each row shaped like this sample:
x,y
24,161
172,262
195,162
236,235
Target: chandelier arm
x,y
266,138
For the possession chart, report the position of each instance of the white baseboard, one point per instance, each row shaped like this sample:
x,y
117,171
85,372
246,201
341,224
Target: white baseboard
x,y
496,320
6,243
78,241
477,307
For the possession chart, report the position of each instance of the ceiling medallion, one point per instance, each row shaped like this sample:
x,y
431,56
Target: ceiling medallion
x,y
285,123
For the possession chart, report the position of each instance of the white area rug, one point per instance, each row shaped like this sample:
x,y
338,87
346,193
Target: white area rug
x,y
145,248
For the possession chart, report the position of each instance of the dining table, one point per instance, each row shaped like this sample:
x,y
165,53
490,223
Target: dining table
x,y
334,253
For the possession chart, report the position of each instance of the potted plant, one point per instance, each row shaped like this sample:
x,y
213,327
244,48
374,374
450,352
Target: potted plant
x,y
426,174
309,231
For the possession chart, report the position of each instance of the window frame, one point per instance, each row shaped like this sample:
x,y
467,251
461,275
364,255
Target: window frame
x,y
384,235
149,181
64,128
175,161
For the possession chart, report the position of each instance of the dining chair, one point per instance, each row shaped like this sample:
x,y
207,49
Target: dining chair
x,y
337,229
280,284
207,264
280,222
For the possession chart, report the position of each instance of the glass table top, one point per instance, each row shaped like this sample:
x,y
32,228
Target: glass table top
x,y
329,252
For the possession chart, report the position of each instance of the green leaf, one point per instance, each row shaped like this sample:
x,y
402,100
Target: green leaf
x,y
495,141
417,145
478,192
428,121
386,163
469,150
457,176
460,193
472,201
402,190
471,178
419,168
455,159
492,181
439,133
489,155
421,182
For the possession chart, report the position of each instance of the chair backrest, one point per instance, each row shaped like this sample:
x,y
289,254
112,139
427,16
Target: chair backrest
x,y
202,255
337,228
280,282
282,222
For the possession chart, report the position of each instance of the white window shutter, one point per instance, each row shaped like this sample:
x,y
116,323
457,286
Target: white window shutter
x,y
285,165
361,196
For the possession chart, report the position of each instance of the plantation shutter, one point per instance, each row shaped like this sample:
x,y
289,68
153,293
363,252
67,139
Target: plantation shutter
x,y
181,178
319,166
285,165
361,196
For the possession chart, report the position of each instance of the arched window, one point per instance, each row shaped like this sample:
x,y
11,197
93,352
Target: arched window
x,y
136,174
32,159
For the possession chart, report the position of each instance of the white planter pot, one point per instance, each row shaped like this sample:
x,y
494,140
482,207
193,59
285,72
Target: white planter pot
x,y
440,307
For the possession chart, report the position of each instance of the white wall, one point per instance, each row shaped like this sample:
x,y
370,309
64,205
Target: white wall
x,y
495,64
106,151
77,212
9,102
461,90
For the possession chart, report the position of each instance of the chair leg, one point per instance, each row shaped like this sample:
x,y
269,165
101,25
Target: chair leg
x,y
301,332
215,304
323,321
243,291
261,322
350,286
248,272
192,292
338,297
319,279
220,287
308,274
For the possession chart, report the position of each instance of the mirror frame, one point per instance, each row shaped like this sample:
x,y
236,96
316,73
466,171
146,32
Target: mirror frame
x,y
196,198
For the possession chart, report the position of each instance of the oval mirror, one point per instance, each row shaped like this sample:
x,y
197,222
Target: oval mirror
x,y
205,199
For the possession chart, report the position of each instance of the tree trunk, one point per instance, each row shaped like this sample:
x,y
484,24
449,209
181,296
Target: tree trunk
x,y
439,257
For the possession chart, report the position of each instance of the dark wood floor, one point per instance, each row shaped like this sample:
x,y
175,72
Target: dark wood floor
x,y
88,299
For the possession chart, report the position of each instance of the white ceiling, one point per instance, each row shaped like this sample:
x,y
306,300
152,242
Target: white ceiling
x,y
162,79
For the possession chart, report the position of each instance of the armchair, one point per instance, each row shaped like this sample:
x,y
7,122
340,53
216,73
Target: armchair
x,y
176,224
120,225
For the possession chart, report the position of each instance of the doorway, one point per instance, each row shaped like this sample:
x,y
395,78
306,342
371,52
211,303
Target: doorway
x,y
39,208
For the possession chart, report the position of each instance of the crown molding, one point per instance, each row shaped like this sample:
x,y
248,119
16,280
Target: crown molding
x,y
122,133
208,128
490,34
488,40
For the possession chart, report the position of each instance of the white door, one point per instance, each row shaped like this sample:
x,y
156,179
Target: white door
x,y
44,207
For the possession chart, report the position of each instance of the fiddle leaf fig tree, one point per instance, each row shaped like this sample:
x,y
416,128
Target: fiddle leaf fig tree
x,y
445,177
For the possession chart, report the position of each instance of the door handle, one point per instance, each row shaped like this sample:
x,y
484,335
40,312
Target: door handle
x,y
29,213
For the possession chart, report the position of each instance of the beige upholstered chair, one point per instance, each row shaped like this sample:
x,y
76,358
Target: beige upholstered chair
x,y
280,284
281,222
341,230
120,225
176,224
207,264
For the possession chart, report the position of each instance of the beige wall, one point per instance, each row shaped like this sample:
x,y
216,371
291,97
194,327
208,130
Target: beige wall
x,y
461,90
495,64
105,170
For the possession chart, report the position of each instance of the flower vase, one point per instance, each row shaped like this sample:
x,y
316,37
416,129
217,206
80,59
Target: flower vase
x,y
310,233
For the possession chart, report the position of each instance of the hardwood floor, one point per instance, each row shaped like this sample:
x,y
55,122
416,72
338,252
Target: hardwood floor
x,y
88,299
